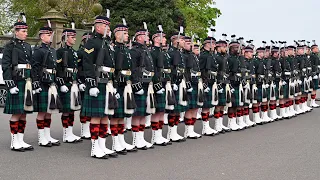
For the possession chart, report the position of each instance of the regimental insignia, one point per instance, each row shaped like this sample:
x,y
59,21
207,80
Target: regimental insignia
x,y
88,51
59,60
111,47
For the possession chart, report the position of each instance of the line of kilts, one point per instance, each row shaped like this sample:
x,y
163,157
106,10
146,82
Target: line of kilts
x,y
95,106
193,97
141,101
15,102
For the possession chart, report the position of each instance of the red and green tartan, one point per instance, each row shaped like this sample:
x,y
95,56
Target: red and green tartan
x,y
65,99
94,106
193,97
15,102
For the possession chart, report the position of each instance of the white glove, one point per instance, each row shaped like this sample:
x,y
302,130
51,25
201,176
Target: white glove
x,y
220,90
315,77
117,95
64,89
94,92
161,91
310,78
14,90
255,88
232,90
284,83
207,90
37,91
190,90
175,87
82,87
140,92
266,85
246,86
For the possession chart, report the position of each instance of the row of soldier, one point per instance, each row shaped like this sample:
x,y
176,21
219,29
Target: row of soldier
x,y
110,82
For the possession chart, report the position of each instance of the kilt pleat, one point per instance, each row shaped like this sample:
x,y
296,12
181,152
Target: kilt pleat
x,y
207,99
141,101
316,84
160,102
222,97
15,102
40,102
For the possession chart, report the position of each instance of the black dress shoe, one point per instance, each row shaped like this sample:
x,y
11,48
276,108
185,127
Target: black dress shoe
x,y
103,157
169,143
30,148
122,152
142,148
152,147
18,150
113,155
87,138
162,144
79,140
132,150
46,145
183,140
55,143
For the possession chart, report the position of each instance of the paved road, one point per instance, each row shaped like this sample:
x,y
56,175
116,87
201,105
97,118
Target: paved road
x,y
283,150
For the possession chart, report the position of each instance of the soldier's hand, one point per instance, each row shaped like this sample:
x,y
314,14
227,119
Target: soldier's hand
x,y
220,90
37,91
267,85
207,90
14,90
94,92
175,87
141,92
190,89
64,89
117,96
161,91
82,87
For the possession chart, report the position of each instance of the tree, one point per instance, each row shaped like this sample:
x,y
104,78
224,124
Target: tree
x,y
5,16
153,12
79,10
199,15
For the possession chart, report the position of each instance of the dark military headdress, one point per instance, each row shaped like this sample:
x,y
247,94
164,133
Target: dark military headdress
x,y
210,38
46,29
223,41
86,35
22,23
159,32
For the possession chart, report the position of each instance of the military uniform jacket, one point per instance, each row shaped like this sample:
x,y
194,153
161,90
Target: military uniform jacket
x,y
276,69
192,71
68,73
162,70
121,52
208,67
286,67
236,68
259,70
314,58
309,65
142,66
81,76
90,57
301,64
178,65
44,64
24,55
250,70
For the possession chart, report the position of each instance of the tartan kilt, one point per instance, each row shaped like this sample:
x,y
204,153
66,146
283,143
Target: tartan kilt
x,y
222,101
40,100
268,93
179,108
277,89
207,99
65,99
94,106
119,112
316,84
15,102
236,99
160,102
302,87
193,97
141,101
286,90
259,99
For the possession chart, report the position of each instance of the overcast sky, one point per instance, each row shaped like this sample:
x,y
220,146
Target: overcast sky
x,y
269,19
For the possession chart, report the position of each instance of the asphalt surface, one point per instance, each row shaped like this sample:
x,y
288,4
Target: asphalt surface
x,y
282,150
